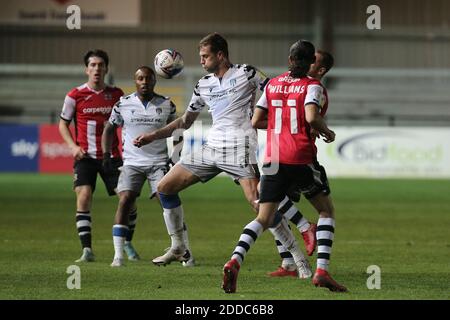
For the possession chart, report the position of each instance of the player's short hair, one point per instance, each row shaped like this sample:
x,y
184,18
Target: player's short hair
x,y
96,53
147,68
327,60
302,54
217,43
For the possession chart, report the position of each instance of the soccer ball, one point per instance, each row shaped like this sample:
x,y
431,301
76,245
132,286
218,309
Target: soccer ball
x,y
168,63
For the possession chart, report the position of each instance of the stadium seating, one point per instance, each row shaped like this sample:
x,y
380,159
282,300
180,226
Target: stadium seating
x,y
34,93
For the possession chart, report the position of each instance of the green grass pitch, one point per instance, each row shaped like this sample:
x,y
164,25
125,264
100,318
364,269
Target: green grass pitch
x,y
402,226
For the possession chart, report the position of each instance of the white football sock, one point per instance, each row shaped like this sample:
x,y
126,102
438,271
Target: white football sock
x,y
174,224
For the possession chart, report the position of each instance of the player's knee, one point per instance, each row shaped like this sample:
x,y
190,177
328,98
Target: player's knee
x,y
254,204
84,198
328,213
169,185
266,222
126,200
330,209
163,187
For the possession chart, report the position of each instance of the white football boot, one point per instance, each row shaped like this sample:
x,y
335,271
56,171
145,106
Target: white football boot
x,y
87,256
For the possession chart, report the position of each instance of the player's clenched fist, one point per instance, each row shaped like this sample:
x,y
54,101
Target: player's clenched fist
x,y
143,139
78,153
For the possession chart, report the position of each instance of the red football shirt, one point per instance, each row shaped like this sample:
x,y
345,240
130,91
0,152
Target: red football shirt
x,y
288,133
90,110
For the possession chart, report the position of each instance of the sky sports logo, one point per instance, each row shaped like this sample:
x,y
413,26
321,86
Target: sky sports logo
x,y
382,146
54,150
23,148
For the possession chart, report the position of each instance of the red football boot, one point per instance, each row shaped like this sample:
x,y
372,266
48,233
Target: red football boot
x,y
282,272
323,279
310,239
230,274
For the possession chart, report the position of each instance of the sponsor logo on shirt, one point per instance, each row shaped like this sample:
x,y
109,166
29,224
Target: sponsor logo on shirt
x,y
288,79
103,110
144,121
223,94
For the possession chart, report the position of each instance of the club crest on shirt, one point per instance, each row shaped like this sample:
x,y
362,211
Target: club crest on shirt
x,y
108,96
232,82
158,111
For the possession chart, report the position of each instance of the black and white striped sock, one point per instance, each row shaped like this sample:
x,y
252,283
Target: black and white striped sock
x,y
83,222
287,260
251,232
286,256
291,213
283,233
325,235
131,225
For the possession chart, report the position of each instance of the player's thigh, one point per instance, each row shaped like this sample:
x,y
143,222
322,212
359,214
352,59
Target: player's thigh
x,y
201,163
240,172
273,187
85,173
131,179
177,179
313,180
315,187
154,176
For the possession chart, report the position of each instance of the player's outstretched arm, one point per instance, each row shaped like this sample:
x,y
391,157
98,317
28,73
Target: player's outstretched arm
x,y
317,122
183,122
259,119
77,152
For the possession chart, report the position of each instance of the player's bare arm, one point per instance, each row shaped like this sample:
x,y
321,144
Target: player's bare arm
x,y
316,121
107,137
177,144
77,152
184,122
259,119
